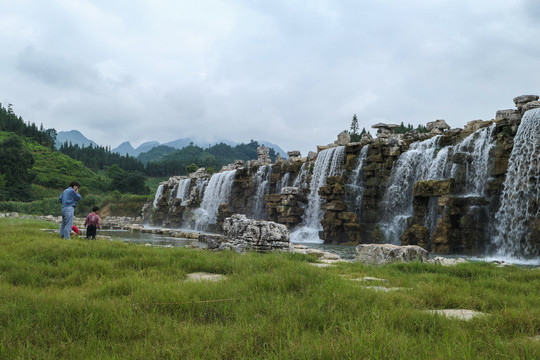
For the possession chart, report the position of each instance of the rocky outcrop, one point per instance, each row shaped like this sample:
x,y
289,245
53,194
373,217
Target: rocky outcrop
x,y
242,234
523,100
437,124
287,207
343,138
384,130
462,227
382,254
445,217
340,226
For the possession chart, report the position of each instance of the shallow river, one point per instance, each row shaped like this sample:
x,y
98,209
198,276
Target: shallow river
x,y
345,252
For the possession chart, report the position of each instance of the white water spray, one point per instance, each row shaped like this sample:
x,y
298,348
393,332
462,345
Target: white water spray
x,y
356,186
479,146
418,163
329,163
182,191
217,192
159,192
262,185
521,194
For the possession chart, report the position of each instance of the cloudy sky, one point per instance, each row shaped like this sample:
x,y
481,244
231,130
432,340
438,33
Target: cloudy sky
x,y
289,72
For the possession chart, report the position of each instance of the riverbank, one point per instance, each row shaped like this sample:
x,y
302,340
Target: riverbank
x,y
100,299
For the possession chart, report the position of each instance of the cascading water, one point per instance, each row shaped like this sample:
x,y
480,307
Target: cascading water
x,y
356,186
479,146
329,163
283,183
200,186
217,192
418,163
171,194
300,180
159,192
262,185
182,191
521,194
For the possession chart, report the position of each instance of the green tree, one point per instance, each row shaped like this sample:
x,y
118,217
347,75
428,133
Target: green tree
x,y
15,165
191,168
127,182
355,136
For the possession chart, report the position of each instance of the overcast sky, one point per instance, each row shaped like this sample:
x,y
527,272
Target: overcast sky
x,y
289,72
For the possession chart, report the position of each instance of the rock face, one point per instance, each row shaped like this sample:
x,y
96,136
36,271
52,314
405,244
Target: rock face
x,y
381,254
287,207
444,210
243,234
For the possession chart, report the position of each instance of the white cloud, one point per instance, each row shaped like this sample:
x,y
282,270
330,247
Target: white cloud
x,y
292,73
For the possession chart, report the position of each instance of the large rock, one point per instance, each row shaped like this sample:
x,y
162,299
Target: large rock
x,y
263,154
243,234
437,124
343,138
524,99
381,254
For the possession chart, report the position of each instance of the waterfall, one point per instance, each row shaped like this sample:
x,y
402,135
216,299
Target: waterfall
x,y
479,146
159,192
283,183
200,186
521,194
420,162
356,186
329,163
300,180
262,185
182,191
217,192
171,194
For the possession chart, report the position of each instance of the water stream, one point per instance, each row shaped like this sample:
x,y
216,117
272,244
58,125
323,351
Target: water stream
x,y
329,163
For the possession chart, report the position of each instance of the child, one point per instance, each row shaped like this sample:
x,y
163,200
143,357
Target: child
x,y
92,223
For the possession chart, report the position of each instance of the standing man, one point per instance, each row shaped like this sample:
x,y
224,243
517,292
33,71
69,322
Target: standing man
x,y
69,199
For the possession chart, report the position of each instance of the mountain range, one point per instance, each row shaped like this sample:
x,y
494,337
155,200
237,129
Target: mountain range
x,y
76,137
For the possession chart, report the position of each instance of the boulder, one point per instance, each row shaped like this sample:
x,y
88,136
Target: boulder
x,y
343,138
263,154
524,99
384,130
243,234
293,155
437,124
439,260
381,254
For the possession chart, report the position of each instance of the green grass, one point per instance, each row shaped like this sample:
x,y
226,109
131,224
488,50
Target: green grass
x,y
110,300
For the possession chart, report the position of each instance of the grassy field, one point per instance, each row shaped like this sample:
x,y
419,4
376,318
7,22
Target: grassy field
x,y
110,300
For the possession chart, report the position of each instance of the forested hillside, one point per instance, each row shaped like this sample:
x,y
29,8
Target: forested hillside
x,y
30,166
212,158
